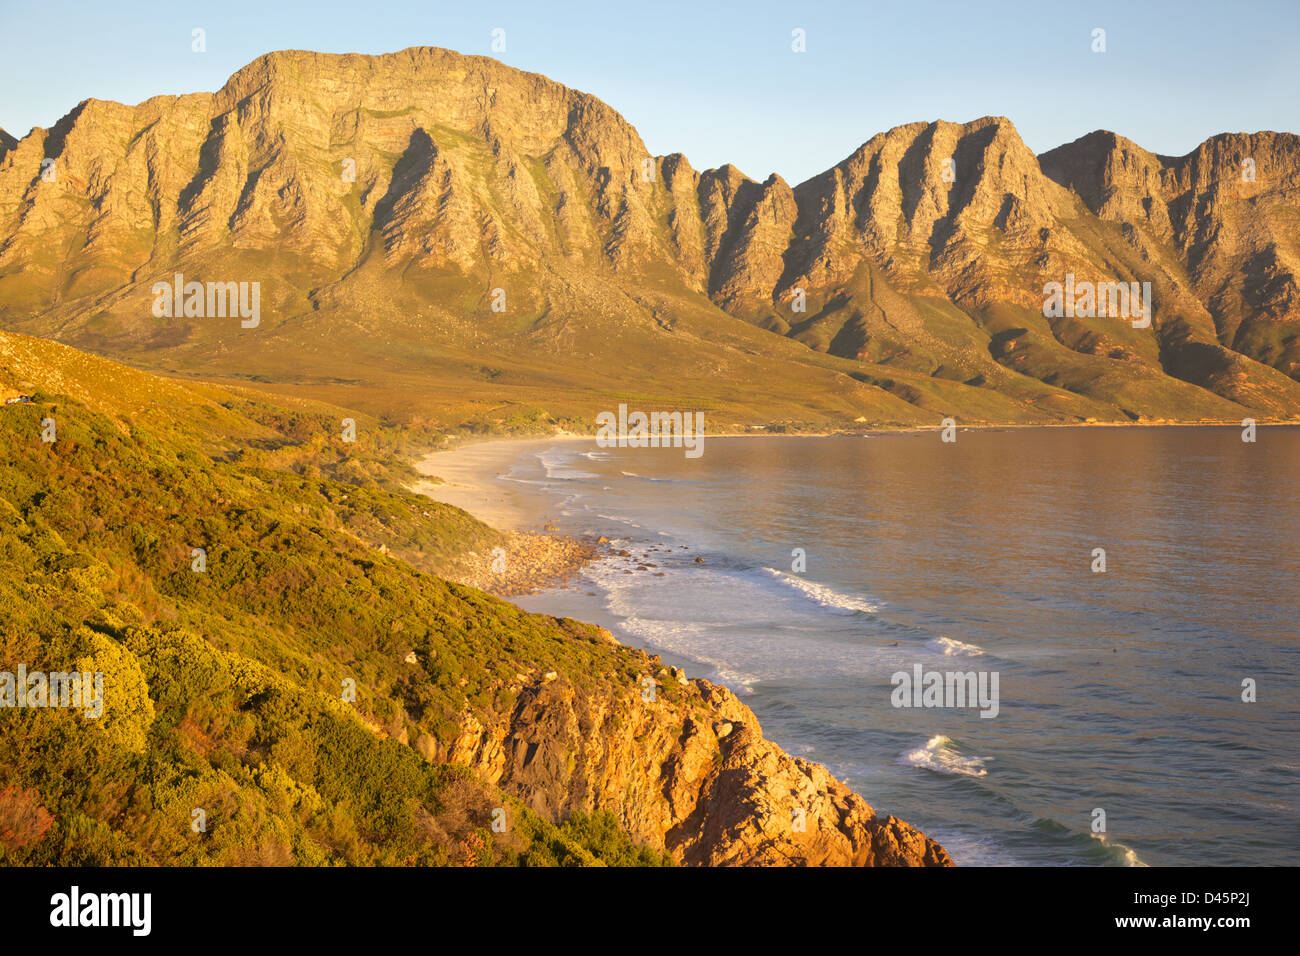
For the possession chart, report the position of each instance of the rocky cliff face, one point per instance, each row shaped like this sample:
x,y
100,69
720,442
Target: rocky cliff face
x,y
1228,211
390,198
445,157
690,773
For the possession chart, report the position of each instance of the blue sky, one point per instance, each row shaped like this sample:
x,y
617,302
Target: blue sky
x,y
719,81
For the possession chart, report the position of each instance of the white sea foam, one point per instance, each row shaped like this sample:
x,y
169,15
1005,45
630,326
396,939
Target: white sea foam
x,y
557,465
940,755
683,640
823,594
1119,850
966,847
627,521
951,647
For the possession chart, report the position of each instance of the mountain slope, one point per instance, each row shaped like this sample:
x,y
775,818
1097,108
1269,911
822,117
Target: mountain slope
x,y
436,234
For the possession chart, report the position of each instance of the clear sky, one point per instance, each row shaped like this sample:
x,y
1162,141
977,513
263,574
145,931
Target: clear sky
x,y
719,81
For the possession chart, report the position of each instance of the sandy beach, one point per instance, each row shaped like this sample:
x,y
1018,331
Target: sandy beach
x,y
471,479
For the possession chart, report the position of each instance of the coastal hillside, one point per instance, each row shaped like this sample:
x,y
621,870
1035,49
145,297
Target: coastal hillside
x,y
281,686
438,236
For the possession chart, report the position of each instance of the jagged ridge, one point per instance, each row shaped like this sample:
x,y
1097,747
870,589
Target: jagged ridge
x,y
921,258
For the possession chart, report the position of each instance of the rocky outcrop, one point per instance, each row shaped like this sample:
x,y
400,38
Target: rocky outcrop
x,y
686,769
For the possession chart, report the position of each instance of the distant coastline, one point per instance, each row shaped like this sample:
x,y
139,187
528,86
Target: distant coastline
x,y
462,472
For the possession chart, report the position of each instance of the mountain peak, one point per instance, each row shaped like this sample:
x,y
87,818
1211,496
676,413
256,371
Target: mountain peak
x,y
461,91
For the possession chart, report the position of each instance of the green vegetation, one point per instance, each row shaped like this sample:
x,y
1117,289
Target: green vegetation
x,y
223,689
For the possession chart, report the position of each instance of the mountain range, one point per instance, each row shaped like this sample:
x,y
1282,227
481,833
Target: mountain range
x,y
443,237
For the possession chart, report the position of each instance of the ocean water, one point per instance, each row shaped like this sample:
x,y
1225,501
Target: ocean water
x,y
1118,691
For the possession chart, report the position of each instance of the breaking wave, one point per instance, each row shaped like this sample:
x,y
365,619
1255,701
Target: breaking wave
x,y
951,647
823,594
940,755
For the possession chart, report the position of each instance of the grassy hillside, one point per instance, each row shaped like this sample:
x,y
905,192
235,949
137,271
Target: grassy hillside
x,y
223,688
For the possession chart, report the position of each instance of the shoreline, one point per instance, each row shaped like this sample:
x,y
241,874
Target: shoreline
x,y
536,556
462,473
456,443
478,466
465,474
470,475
